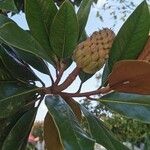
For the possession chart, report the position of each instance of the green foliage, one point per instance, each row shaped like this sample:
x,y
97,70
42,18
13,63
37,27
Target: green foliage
x,y
64,31
54,31
131,38
74,137
128,129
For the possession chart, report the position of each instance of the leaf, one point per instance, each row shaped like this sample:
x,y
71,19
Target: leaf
x,y
130,76
74,106
106,71
14,96
13,35
132,36
64,31
84,76
19,133
74,138
35,61
8,5
101,133
36,20
51,135
4,74
83,14
17,68
6,124
130,105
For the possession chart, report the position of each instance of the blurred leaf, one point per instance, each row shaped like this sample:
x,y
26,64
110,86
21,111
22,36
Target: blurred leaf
x,y
8,5
83,37
145,54
35,61
13,35
36,21
83,14
20,5
101,133
130,105
10,95
19,133
4,74
74,138
17,68
131,76
132,36
64,31
51,135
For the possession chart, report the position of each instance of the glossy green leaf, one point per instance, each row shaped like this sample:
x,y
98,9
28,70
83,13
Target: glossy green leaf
x,y
74,138
83,14
13,35
6,124
14,96
131,105
132,36
37,21
101,133
8,5
17,68
64,31
35,61
20,131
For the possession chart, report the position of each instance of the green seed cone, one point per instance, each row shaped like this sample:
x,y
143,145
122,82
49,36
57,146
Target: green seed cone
x,y
91,54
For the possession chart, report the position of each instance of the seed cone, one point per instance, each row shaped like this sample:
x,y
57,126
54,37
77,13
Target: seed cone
x,y
91,54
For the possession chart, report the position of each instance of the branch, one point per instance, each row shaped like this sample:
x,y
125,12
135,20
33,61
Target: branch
x,y
88,94
72,76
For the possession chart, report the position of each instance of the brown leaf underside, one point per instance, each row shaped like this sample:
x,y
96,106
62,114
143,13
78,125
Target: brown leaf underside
x,y
131,76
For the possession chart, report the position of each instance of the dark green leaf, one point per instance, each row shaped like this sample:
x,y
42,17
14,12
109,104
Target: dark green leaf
x,y
4,74
17,68
6,124
105,74
20,131
36,20
84,76
14,96
131,105
35,61
15,36
74,138
8,5
101,133
64,31
132,36
83,14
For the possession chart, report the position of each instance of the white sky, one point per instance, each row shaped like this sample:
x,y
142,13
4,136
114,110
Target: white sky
x,y
92,25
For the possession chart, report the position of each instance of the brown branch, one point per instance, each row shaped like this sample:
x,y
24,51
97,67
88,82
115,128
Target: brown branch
x,y
59,75
72,76
88,94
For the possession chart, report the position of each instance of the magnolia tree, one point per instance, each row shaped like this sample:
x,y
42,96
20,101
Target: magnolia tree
x,y
57,36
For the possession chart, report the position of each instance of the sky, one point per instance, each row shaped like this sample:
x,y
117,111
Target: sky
x,y
93,24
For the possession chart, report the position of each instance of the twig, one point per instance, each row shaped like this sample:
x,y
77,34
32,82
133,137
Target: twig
x,y
72,76
88,94
59,75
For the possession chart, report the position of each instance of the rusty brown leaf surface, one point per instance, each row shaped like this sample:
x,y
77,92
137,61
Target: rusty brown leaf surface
x,y
130,76
51,134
